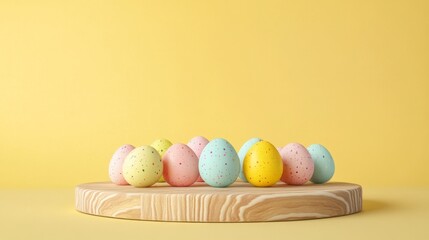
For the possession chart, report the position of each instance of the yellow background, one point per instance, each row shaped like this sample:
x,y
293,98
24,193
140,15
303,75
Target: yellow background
x,y
80,78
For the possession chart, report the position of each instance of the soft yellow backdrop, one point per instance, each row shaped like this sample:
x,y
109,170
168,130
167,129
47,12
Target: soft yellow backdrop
x,y
80,78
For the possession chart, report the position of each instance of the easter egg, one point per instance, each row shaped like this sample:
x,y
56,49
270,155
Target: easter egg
x,y
180,165
298,164
324,166
142,167
219,163
161,145
242,153
262,165
116,163
197,145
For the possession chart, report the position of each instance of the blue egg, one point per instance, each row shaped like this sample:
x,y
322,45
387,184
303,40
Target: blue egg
x,y
324,166
242,153
219,164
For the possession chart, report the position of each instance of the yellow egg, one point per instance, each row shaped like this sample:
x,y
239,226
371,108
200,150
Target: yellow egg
x,y
142,167
161,145
262,165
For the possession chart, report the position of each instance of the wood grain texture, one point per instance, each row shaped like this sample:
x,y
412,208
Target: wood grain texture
x,y
239,202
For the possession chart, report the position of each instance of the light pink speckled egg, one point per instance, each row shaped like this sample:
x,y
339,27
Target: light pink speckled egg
x,y
180,165
298,166
115,165
197,145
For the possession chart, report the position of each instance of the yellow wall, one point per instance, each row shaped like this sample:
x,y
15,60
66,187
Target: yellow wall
x,y
80,78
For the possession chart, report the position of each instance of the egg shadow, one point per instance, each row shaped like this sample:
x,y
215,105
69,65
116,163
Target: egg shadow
x,y
375,206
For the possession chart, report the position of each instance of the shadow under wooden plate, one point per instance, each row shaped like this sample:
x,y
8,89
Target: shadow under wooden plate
x,y
239,202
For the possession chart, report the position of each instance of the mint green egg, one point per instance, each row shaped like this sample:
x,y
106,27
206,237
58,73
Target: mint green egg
x,y
219,164
324,166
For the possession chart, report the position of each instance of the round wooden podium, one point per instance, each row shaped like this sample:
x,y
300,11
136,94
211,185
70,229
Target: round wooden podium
x,y
239,202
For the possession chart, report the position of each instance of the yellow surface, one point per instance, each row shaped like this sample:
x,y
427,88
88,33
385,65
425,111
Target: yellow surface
x,y
81,78
389,213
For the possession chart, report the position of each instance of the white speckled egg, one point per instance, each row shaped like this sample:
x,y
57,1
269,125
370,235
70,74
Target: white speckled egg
x,y
115,165
142,167
298,166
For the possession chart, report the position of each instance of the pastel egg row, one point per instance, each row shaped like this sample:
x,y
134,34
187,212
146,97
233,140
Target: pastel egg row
x,y
217,163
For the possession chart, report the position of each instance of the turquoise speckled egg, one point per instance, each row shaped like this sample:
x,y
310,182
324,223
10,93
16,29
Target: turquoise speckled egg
x,y
219,164
324,166
242,153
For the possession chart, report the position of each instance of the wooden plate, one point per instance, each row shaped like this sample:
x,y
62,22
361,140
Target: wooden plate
x,y
239,202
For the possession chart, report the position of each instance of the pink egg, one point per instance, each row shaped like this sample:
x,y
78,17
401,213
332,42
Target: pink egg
x,y
298,166
180,166
115,165
197,144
